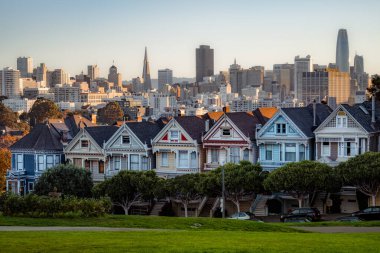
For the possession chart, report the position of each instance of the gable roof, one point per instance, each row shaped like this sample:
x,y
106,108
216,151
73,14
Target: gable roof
x,y
101,134
245,121
71,124
302,117
145,130
362,117
193,125
263,114
42,137
215,116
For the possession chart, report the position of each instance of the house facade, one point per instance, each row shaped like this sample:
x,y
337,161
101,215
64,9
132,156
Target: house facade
x,y
288,136
32,155
86,150
178,146
130,147
347,132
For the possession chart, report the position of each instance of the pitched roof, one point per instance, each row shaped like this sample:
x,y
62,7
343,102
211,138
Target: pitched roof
x,y
215,116
101,134
245,121
71,124
193,125
42,137
145,131
302,117
364,117
264,114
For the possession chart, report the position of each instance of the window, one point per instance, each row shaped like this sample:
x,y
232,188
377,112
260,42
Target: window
x,y
134,162
246,154
341,121
101,167
84,143
290,152
87,165
49,161
362,146
144,163
40,161
183,159
125,139
226,132
117,162
78,162
348,148
31,186
214,155
234,155
164,159
174,136
193,159
281,128
20,162
302,152
325,149
57,159
269,152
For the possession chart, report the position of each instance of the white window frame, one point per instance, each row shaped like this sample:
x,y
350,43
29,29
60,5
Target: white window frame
x,y
174,139
20,161
51,164
183,159
84,146
299,152
341,121
214,154
225,129
266,150
133,163
145,163
193,159
280,128
57,159
233,156
246,154
116,162
287,147
125,136
40,165
165,159
323,147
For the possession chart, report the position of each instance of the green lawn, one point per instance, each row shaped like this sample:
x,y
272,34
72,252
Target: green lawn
x,y
335,224
186,241
160,222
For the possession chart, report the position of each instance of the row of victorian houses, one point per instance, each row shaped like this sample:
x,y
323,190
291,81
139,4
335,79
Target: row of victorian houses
x,y
194,144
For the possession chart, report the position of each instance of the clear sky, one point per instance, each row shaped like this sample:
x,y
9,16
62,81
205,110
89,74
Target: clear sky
x,y
72,34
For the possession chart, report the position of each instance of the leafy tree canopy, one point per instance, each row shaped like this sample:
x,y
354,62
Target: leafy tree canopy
x,y
110,113
5,164
42,110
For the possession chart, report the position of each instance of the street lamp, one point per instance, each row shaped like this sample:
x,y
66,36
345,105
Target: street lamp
x,y
223,198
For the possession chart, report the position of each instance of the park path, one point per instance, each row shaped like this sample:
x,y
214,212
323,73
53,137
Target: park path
x,y
31,228
341,229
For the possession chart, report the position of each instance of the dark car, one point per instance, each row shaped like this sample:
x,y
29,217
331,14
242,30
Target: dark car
x,y
370,213
310,213
349,219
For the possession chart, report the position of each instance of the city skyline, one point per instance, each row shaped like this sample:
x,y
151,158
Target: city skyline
x,y
73,42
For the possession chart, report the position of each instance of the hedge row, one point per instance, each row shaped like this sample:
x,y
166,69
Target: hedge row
x,y
42,206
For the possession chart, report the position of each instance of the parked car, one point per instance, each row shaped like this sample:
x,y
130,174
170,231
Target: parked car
x,y
370,213
244,216
310,213
298,219
348,218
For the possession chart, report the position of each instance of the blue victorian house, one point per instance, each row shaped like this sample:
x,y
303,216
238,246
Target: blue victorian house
x,y
37,151
288,136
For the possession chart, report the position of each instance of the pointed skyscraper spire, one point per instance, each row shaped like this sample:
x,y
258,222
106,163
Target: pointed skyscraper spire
x,y
146,72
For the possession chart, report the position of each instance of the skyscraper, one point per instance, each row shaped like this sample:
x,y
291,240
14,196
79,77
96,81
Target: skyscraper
x,y
165,76
146,73
358,64
41,73
301,65
115,77
342,52
93,71
204,59
25,66
10,83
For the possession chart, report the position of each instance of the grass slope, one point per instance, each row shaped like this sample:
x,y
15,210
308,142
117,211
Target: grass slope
x,y
159,222
186,241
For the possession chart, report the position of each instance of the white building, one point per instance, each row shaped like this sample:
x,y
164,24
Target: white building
x,y
301,65
165,76
19,105
10,83
25,66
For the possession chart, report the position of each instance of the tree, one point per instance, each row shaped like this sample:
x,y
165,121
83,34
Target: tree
x,y
110,113
127,188
241,180
185,188
374,89
300,179
5,164
363,172
42,110
8,117
67,179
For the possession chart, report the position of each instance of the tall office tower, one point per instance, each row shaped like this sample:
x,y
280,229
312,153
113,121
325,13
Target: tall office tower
x,y
235,77
339,88
358,64
301,65
358,73
93,72
146,73
57,76
204,60
41,73
253,77
283,74
165,76
25,66
342,52
10,83
115,77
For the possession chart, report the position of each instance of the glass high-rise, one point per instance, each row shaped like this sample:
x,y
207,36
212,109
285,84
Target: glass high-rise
x,y
342,52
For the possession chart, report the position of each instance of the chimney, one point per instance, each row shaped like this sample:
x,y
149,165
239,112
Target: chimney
x,y
373,120
314,113
207,125
93,118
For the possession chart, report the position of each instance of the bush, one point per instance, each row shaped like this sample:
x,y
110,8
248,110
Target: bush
x,y
41,206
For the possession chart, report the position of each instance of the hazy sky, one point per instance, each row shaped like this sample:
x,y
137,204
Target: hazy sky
x,y
72,34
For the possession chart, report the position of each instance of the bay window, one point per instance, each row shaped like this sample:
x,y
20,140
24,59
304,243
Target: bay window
x,y
183,159
164,159
302,152
193,159
214,155
134,162
268,152
290,152
234,155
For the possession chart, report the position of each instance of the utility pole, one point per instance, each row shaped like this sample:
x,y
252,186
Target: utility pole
x,y
223,198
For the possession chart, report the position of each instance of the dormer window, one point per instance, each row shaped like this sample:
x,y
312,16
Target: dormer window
x,y
125,139
174,136
341,120
280,128
226,132
84,143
